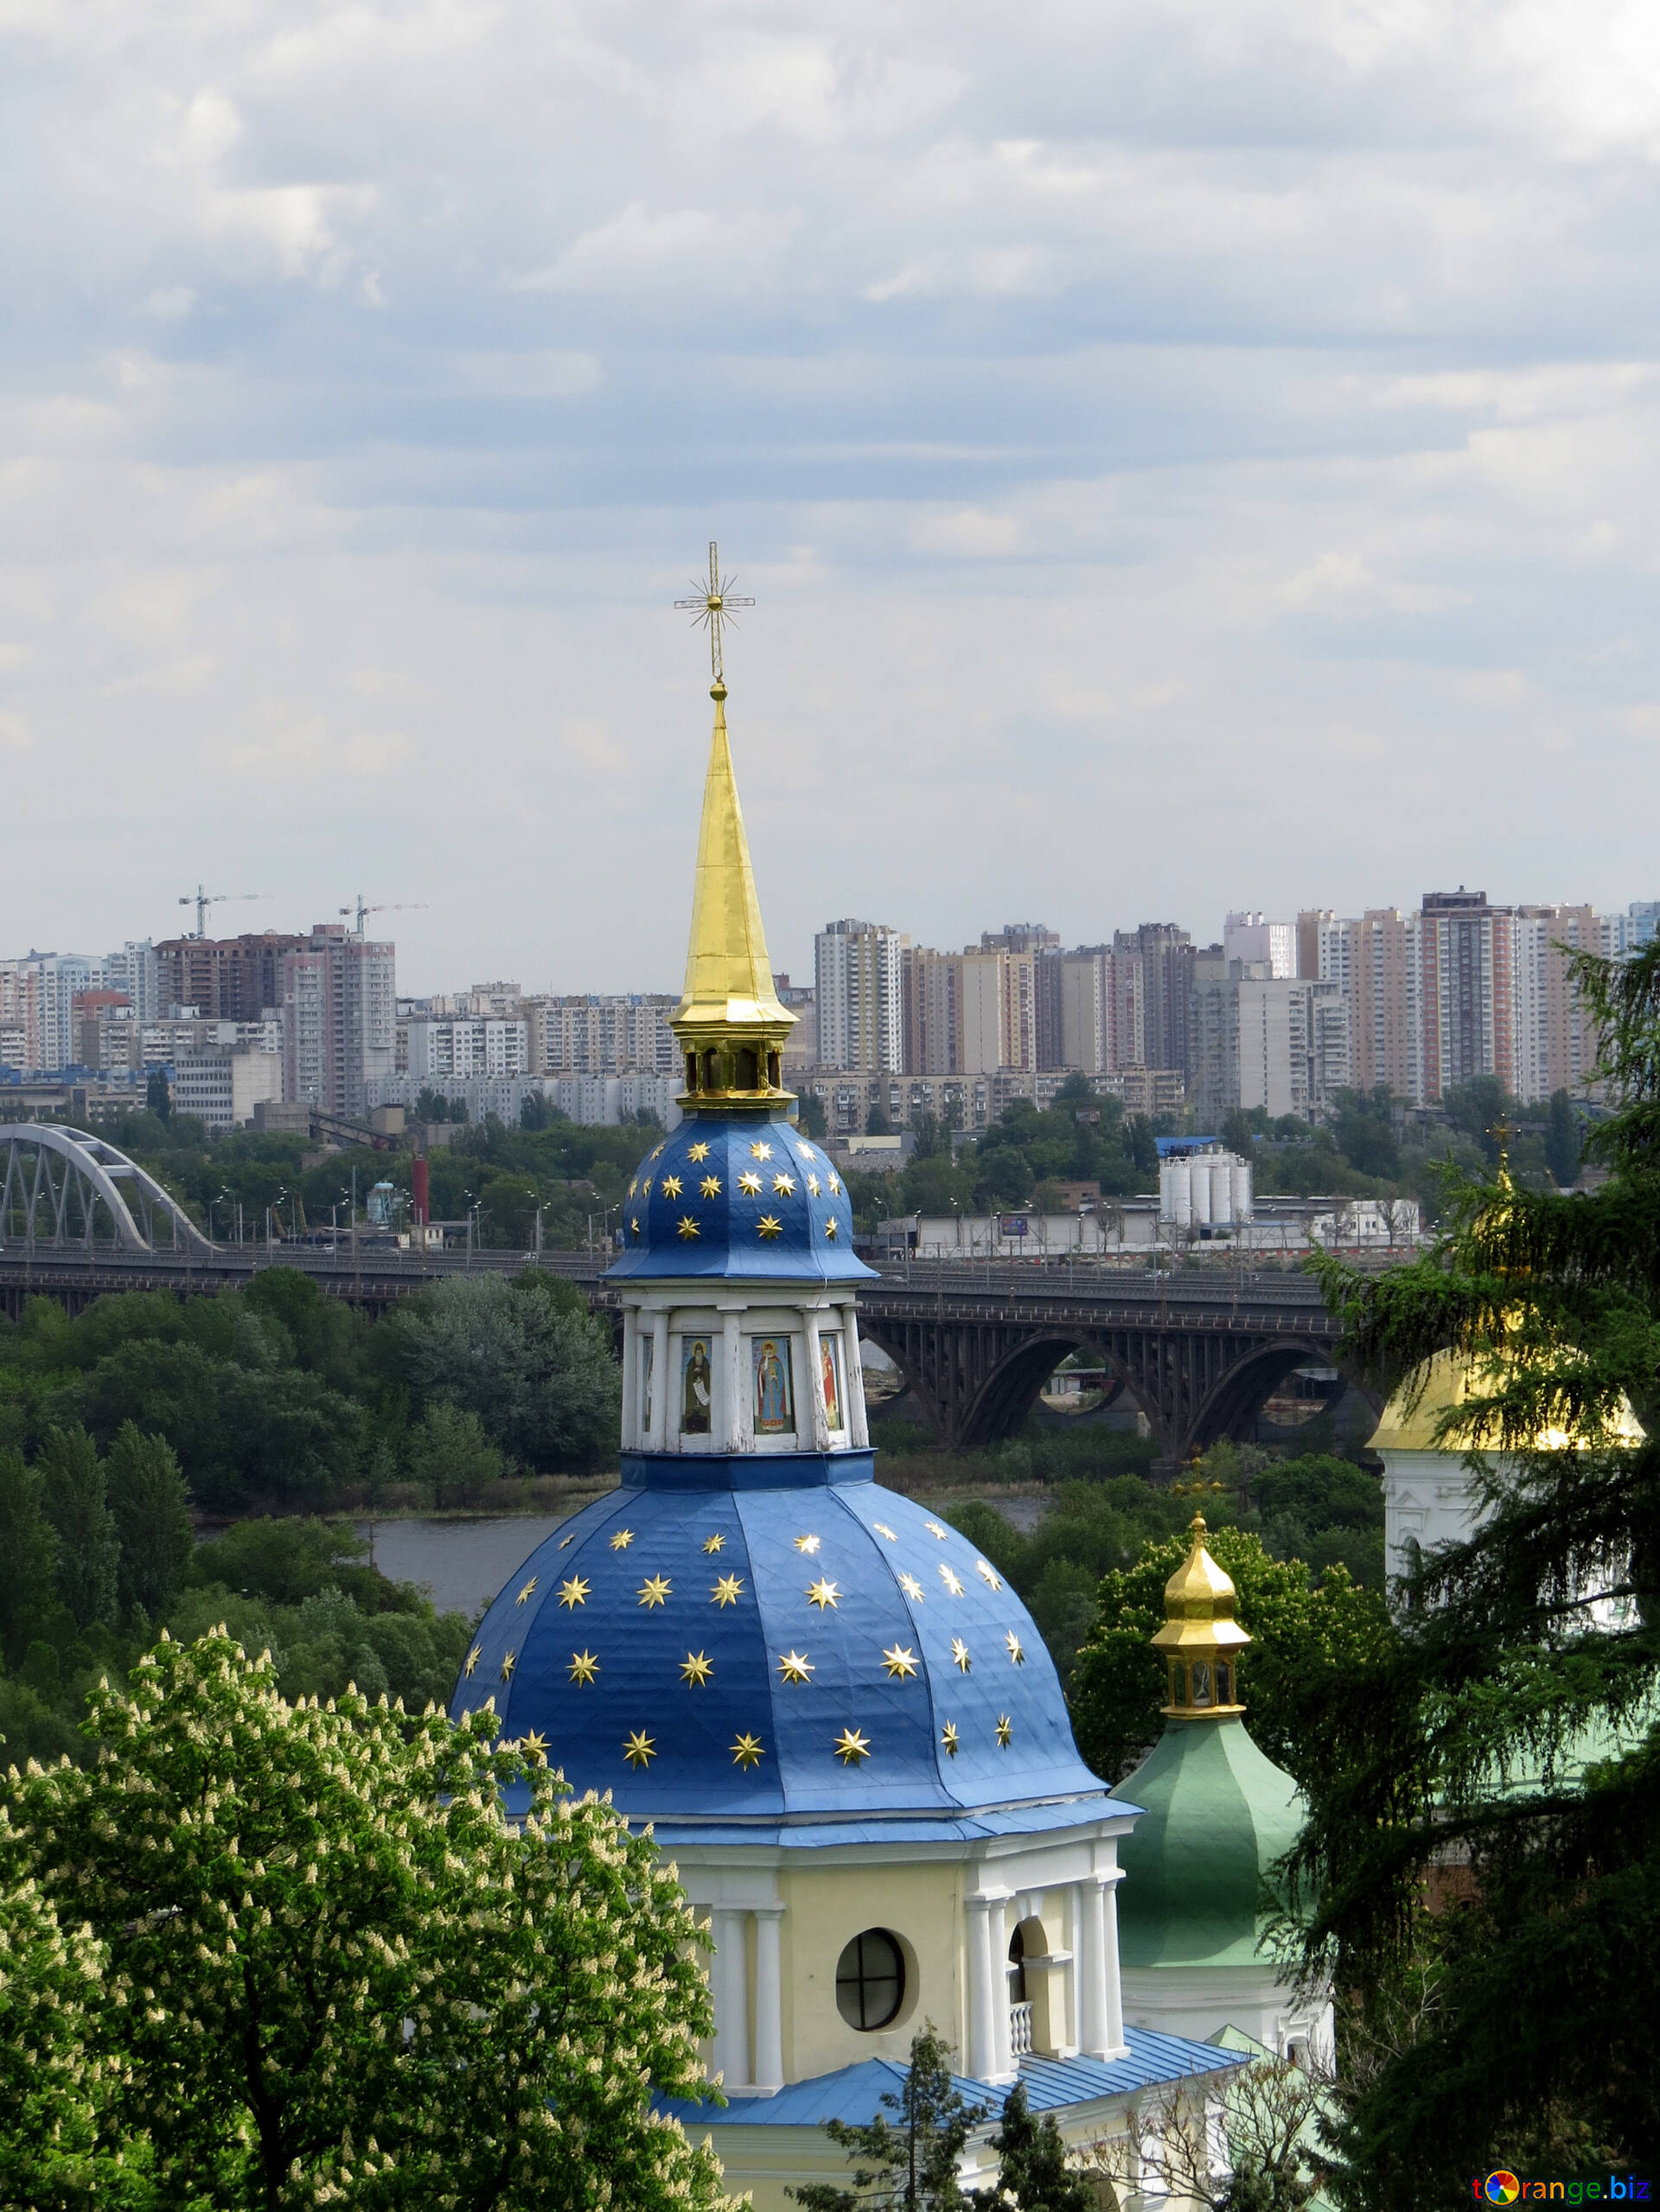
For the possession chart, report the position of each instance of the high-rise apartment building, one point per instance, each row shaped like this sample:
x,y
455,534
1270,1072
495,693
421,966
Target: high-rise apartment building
x,y
1165,954
613,1034
1467,974
1091,1005
225,978
1280,1043
859,990
1253,938
1373,961
337,995
967,1013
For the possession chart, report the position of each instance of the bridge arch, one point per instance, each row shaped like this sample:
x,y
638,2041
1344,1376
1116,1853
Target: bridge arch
x,y
1239,1394
64,1189
1013,1387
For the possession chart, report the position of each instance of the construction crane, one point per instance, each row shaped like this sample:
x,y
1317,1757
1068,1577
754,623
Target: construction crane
x,y
411,905
203,900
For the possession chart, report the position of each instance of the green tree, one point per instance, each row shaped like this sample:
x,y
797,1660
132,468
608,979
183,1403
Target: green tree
x,y
1364,1129
1509,1728
56,2151
151,1513
337,1970
908,2163
451,1455
28,1558
811,1112
1477,1107
1562,1140
1299,1634
526,1356
74,1499
1032,2172
158,1095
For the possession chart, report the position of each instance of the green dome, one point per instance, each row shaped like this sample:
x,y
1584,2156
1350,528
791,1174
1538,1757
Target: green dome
x,y
1217,1816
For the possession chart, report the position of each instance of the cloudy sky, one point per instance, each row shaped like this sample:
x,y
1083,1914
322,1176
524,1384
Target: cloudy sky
x,y
1186,456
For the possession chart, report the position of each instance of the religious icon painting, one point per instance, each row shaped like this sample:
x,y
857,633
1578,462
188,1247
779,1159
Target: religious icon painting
x,y
774,1395
830,1379
697,1387
648,1346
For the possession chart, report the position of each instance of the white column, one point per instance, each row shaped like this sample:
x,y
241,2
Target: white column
x,y
768,1999
656,1435
982,1993
731,1998
853,1376
630,1378
812,1383
1116,2046
1004,2064
731,1332
1091,1969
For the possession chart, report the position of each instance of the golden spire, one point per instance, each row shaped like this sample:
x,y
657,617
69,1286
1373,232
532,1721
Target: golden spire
x,y
731,1023
1200,1638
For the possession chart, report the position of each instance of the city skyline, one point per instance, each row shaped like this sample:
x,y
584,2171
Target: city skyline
x,y
1200,454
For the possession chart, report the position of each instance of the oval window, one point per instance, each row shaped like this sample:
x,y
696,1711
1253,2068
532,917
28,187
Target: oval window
x,y
869,1979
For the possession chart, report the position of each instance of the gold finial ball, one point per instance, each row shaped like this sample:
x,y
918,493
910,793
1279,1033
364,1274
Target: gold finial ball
x,y
1197,1524
718,691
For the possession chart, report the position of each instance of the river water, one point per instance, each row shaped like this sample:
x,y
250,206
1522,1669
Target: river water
x,y
463,1563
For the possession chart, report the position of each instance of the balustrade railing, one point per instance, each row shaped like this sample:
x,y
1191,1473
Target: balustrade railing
x,y
1020,2030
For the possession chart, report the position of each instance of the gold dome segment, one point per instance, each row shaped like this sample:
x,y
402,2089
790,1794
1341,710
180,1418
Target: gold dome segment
x,y
729,1022
1200,1639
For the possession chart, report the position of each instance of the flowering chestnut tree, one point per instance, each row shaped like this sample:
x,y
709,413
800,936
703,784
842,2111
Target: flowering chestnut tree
x,y
340,1973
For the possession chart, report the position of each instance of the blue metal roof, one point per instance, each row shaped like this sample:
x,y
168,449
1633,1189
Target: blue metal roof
x,y
738,1196
854,2093
760,1658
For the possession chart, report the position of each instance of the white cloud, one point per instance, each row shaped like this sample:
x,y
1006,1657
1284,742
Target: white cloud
x,y
1161,383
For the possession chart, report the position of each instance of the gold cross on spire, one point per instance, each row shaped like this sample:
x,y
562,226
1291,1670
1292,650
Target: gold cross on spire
x,y
713,609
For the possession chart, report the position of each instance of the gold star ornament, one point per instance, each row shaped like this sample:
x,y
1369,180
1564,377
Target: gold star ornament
x,y
831,1229
794,1666
882,1529
1005,1731
807,1543
784,1185
912,1589
472,1658
900,1661
524,1594
769,1227
934,1529
565,1542
535,1743
710,1187
672,1186
687,1227
760,1151
950,1580
727,1591
813,1184
696,1670
960,1654
853,1748
697,1153
1015,1652
653,1589
746,1752
750,1183
574,1593
583,1666
716,1543
988,1575
639,1748
822,1593
507,1664
949,1741
622,1539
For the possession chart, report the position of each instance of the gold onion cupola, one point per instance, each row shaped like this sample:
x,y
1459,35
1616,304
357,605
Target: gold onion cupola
x,y
730,1023
1201,1640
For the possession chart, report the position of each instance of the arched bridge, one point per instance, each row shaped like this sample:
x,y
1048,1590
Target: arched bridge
x,y
1198,1355
64,1190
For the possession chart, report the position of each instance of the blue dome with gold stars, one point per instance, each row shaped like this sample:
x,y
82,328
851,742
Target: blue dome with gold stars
x,y
740,1196
776,1656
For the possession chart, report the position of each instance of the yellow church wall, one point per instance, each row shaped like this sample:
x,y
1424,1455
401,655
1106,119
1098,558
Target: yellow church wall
x,y
825,1907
